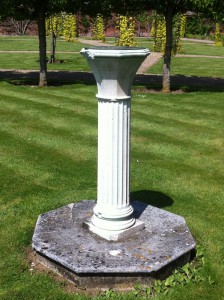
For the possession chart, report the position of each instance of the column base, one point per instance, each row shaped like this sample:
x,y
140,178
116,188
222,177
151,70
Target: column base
x,y
114,235
109,218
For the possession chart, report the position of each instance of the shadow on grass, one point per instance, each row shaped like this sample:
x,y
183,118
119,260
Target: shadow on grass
x,y
181,82
153,198
150,82
54,78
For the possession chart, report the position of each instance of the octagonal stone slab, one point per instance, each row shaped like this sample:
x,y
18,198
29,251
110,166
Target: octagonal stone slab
x,y
64,244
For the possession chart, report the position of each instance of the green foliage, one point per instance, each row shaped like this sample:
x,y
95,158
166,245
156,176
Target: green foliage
x,y
144,20
85,23
98,29
213,9
108,294
189,273
126,28
198,25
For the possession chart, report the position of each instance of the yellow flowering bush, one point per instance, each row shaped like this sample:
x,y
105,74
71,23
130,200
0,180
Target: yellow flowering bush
x,y
126,28
99,29
160,35
158,31
70,28
54,24
218,36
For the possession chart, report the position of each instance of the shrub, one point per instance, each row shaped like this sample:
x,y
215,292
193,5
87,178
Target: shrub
x,y
98,28
126,27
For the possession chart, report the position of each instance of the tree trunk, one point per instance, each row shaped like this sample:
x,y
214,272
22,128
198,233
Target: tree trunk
x,y
20,26
168,49
77,25
42,43
139,29
53,47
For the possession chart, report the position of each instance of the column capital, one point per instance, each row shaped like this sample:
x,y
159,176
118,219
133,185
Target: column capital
x,y
114,69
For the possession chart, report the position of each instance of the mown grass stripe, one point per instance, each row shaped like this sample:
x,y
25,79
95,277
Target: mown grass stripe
x,y
189,102
56,118
176,106
51,113
33,159
59,99
156,122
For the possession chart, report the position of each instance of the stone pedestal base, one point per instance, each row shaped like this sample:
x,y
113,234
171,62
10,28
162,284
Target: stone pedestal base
x,y
65,245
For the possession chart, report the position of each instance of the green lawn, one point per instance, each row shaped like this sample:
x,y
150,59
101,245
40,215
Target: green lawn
x,y
192,66
10,43
189,47
30,61
141,42
30,43
202,49
48,139
183,66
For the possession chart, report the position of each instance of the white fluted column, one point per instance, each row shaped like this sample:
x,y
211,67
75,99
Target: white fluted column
x,y
113,210
114,69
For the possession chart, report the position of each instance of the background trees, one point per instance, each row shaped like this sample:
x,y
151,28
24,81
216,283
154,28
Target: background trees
x,y
213,9
167,9
37,10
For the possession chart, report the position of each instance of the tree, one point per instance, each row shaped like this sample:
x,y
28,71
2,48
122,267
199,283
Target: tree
x,y
20,26
32,10
169,9
54,26
37,10
143,21
40,15
213,9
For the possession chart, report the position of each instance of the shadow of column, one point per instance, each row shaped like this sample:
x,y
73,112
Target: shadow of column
x,y
153,198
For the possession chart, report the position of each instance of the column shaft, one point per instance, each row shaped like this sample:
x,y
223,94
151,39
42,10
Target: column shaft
x,y
113,201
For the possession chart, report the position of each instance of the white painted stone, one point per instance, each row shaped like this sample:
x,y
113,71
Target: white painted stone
x,y
114,69
115,235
